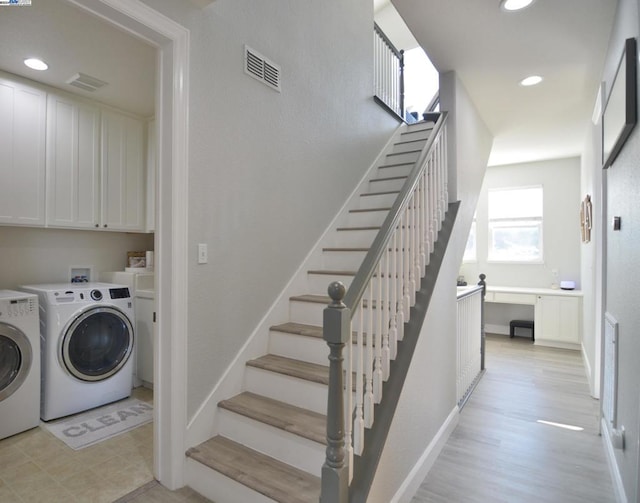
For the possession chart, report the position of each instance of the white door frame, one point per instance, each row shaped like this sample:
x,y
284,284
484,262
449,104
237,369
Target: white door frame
x,y
171,245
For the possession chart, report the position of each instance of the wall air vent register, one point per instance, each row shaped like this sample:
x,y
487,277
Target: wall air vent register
x,y
260,68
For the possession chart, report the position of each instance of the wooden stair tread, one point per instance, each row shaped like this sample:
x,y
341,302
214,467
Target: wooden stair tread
x,y
407,152
296,420
332,273
326,300
299,329
383,193
367,210
346,249
310,297
396,165
268,476
305,330
363,228
388,179
293,368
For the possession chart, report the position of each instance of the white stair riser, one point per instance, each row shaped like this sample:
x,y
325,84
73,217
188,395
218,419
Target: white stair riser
x,y
416,134
217,487
299,347
385,185
318,283
291,390
310,313
376,201
404,157
365,218
342,260
287,447
408,144
352,237
394,170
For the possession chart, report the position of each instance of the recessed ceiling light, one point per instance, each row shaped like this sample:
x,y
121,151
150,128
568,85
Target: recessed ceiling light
x,y
513,5
531,81
36,64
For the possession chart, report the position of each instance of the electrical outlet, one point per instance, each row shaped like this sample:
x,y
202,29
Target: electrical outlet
x,y
203,254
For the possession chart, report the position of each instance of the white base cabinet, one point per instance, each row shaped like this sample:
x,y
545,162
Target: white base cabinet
x,y
144,333
22,154
557,320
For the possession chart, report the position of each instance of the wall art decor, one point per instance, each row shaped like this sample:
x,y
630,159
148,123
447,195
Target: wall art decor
x,y
621,111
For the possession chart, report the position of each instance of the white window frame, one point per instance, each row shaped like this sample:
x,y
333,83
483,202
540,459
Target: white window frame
x,y
523,222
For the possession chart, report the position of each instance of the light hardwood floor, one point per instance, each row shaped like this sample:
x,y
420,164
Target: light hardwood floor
x,y
499,452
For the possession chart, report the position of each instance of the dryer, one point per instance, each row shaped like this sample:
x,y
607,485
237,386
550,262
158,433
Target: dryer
x,y
87,343
19,362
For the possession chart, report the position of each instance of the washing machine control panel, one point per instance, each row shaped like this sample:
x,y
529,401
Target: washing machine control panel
x,y
119,293
96,294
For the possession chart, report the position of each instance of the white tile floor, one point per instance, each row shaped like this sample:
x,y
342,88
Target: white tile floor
x,y
37,467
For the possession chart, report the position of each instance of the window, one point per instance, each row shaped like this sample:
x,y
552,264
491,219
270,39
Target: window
x,y
515,225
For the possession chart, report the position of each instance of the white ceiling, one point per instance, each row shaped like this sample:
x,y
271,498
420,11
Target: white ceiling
x,y
565,41
72,41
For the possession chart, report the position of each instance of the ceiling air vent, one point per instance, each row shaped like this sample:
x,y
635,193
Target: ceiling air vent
x,y
86,82
260,68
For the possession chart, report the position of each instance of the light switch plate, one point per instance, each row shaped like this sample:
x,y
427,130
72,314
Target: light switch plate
x,y
203,254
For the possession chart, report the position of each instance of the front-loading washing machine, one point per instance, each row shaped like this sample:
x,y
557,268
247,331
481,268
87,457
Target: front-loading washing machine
x,y
19,362
87,344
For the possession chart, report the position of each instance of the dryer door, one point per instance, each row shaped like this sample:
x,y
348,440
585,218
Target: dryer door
x,y
15,359
97,344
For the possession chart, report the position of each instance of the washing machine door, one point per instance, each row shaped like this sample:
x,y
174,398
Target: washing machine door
x,y
15,359
97,343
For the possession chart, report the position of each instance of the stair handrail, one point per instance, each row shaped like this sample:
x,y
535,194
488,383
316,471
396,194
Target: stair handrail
x,y
367,268
338,317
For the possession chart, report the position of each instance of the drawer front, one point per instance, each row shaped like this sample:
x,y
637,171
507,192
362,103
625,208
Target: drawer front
x,y
514,298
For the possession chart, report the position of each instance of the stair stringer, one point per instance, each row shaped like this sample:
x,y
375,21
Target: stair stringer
x,y
204,423
365,465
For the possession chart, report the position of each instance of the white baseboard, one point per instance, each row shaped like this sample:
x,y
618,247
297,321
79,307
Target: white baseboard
x,y
589,371
616,479
496,329
420,470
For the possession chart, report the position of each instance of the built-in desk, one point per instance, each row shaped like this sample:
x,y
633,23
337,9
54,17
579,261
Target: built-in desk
x,y
557,313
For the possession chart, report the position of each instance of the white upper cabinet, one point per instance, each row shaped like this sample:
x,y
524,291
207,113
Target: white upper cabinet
x,y
73,163
22,154
123,182
152,170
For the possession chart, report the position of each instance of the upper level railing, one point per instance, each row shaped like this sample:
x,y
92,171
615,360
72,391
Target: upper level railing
x,y
469,338
367,321
388,73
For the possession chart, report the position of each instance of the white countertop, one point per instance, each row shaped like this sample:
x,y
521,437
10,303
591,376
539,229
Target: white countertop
x,y
534,291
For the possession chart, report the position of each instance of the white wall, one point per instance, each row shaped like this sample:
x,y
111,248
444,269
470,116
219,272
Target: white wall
x,y
560,179
31,255
268,170
591,260
622,264
429,394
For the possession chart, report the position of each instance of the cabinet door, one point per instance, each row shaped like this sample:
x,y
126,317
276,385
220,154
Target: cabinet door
x,y
73,156
123,173
558,319
144,334
152,169
22,154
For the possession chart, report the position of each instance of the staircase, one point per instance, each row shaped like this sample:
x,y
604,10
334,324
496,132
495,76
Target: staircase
x,y
271,438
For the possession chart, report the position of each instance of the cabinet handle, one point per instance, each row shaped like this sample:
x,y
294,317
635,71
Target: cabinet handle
x,y
105,226
97,225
